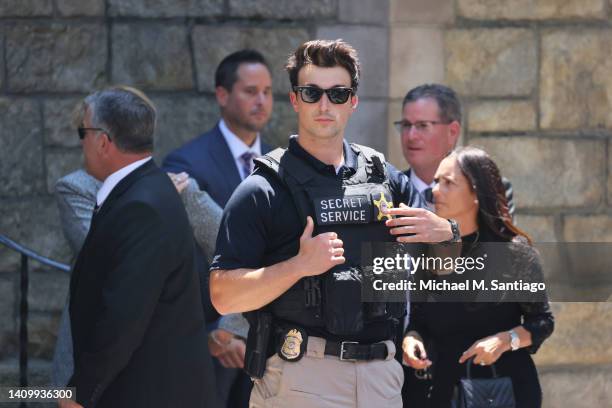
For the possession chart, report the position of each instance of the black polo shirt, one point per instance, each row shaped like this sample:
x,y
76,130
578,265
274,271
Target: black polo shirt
x,y
260,220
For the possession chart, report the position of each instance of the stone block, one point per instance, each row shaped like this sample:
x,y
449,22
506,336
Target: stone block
x,y
8,315
48,290
2,61
152,56
33,223
587,228
58,128
576,386
609,173
491,62
416,57
71,8
9,372
368,125
282,124
213,43
550,172
61,162
501,116
26,8
531,9
576,85
180,119
541,228
39,373
363,11
42,333
422,11
21,156
581,335
371,46
165,8
395,155
283,9
56,57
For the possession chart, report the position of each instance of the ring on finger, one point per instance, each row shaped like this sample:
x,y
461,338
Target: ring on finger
x,y
482,363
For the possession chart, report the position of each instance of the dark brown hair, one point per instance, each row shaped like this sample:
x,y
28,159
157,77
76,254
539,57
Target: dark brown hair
x,y
485,179
324,53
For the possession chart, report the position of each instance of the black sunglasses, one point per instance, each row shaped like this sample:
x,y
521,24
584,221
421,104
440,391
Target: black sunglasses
x,y
312,94
83,131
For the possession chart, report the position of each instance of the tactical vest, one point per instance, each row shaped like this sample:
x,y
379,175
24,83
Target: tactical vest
x,y
351,207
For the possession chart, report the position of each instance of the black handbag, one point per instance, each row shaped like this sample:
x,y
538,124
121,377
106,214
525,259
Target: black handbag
x,y
495,392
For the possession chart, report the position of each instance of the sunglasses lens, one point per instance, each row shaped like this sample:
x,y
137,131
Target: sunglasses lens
x,y
311,94
81,133
339,95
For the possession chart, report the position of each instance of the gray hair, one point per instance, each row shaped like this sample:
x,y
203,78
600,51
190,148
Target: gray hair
x,y
448,102
126,114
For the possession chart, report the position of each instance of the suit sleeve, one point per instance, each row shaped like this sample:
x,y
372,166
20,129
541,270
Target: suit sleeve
x,y
140,257
176,163
75,209
204,216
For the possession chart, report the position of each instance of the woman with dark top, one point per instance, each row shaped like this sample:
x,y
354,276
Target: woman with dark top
x,y
442,335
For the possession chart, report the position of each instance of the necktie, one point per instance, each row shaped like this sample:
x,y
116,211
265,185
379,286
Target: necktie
x,y
428,195
247,163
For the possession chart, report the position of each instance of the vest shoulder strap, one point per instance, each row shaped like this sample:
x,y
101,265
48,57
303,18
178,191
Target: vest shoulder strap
x,y
286,165
372,157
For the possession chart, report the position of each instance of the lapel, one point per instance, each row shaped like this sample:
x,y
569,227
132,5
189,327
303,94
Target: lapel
x,y
117,192
265,148
221,154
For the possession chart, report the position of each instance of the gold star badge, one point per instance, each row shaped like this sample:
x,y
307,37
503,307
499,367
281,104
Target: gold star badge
x,y
383,204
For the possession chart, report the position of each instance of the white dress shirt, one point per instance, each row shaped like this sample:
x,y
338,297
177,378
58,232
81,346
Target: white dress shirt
x,y
420,184
111,181
238,147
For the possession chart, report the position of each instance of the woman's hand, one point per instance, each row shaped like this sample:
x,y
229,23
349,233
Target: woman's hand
x,y
414,352
180,180
486,351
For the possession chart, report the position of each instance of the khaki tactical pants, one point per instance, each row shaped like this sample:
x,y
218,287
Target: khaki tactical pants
x,y
323,381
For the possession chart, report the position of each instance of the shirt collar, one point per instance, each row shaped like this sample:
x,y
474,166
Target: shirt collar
x,y
236,145
111,181
350,158
418,183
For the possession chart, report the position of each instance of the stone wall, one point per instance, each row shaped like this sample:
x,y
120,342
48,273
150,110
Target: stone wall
x,y
534,75
536,82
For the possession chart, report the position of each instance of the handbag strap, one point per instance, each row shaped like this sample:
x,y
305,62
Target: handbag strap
x,y
469,369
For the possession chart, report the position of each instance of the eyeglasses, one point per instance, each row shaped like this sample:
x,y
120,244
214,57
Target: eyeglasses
x,y
312,94
421,126
83,132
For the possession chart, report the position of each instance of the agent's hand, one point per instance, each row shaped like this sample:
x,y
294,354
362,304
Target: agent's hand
x,y
227,348
486,351
415,354
320,253
180,180
423,224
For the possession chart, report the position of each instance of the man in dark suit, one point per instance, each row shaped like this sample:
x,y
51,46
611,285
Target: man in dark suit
x,y
222,157
219,160
136,311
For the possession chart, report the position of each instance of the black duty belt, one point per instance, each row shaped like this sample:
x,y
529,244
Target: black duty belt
x,y
350,350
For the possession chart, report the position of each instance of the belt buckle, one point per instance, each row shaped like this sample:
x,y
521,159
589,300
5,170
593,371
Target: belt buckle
x,y
342,350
